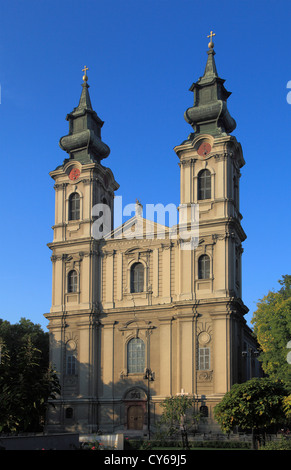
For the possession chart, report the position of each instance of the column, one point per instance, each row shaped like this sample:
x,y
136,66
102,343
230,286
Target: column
x,y
165,336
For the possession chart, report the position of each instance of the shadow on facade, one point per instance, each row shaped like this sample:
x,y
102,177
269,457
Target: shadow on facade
x,y
88,405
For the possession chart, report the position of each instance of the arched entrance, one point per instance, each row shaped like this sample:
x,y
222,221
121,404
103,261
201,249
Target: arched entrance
x,y
135,401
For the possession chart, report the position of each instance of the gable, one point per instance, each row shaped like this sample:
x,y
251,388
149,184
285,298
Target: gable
x,y
138,228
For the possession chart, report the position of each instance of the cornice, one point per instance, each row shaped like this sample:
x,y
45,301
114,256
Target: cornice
x,y
225,222
75,242
137,324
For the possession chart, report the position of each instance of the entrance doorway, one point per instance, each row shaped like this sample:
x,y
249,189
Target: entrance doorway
x,y
135,417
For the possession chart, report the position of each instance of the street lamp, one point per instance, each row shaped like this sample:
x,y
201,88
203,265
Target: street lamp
x,y
149,375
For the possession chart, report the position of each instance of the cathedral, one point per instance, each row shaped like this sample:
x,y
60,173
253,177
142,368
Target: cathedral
x,y
140,312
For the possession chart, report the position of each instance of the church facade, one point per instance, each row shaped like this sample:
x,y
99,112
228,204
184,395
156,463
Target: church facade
x,y
140,314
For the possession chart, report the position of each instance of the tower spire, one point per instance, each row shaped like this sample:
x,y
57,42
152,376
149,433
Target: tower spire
x,y
83,143
85,101
210,71
209,114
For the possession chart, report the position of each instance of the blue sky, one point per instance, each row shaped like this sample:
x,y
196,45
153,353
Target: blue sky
x,y
143,56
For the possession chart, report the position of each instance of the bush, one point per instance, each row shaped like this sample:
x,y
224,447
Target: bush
x,y
165,443
138,444
281,444
221,444
96,445
132,444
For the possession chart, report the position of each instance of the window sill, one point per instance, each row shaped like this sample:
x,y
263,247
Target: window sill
x,y
139,375
72,297
73,225
137,295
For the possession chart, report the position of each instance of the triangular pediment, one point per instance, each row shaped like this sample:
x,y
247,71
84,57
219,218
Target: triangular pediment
x,y
138,227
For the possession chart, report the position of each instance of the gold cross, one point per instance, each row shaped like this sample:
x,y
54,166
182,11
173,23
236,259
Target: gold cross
x,y
211,35
85,78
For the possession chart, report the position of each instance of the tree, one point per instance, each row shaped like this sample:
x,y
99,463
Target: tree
x,y
15,336
272,327
255,404
178,417
287,406
27,381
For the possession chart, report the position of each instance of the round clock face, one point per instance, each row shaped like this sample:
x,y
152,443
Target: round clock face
x,y
74,174
204,149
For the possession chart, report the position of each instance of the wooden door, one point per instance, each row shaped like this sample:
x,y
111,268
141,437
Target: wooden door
x,y
135,417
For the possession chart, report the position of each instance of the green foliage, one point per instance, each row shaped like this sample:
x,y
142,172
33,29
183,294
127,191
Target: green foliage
x,y
95,445
147,445
281,444
131,444
14,336
272,327
178,417
179,413
287,406
27,381
255,404
221,444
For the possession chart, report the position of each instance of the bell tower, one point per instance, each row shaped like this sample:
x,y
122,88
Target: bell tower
x,y
210,161
136,319
81,181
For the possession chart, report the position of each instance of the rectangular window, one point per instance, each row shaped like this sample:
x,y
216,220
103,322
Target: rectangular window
x,y
204,359
71,365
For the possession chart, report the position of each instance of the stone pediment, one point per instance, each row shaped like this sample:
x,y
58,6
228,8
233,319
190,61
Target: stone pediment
x,y
136,325
138,227
137,250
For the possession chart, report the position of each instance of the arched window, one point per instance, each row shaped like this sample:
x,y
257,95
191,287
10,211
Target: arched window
x,y
74,206
72,281
204,267
137,278
204,184
135,356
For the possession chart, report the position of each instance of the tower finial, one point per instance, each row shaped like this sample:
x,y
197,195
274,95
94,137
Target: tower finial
x,y
85,78
211,44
